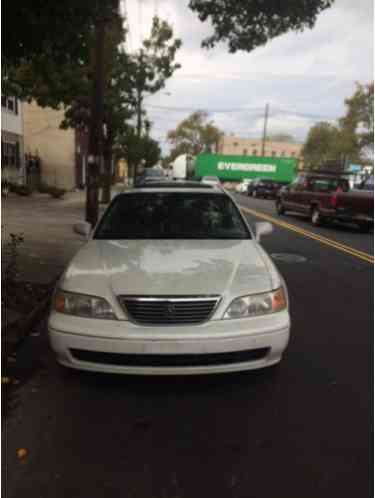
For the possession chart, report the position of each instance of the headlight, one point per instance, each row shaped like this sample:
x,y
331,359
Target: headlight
x,y
257,304
83,305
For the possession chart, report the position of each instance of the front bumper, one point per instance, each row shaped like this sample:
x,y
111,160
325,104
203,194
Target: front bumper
x,y
217,346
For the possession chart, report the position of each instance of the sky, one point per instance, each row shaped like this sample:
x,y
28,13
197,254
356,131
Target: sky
x,y
304,77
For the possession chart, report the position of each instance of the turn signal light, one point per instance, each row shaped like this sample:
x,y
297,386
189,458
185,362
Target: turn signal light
x,y
279,300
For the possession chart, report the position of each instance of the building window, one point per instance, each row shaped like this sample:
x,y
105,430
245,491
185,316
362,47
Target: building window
x,y
10,155
235,144
293,154
273,153
283,153
244,152
255,152
10,104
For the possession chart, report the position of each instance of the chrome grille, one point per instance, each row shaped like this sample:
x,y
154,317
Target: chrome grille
x,y
169,310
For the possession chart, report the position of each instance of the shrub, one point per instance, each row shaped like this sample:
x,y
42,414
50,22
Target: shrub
x,y
56,192
23,190
11,256
43,188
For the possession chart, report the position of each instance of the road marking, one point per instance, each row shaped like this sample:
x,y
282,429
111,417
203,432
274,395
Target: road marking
x,y
320,238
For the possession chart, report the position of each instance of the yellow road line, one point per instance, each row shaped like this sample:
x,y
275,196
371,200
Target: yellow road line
x,y
324,240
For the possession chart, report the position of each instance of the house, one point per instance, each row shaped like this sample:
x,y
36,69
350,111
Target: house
x,y
62,153
12,140
238,146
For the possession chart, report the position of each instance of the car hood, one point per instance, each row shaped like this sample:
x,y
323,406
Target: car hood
x,y
169,267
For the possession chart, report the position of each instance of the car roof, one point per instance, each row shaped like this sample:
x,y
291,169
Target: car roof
x,y
326,175
174,185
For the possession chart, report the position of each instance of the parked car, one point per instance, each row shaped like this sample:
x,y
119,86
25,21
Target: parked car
x,y
265,188
171,281
151,174
211,180
367,184
327,198
243,186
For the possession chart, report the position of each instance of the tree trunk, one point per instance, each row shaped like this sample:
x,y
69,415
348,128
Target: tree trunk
x,y
107,178
96,127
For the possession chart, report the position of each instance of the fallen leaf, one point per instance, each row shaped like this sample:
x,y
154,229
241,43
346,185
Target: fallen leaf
x,y
21,453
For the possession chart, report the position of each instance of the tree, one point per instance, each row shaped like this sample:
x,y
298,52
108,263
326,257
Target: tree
x,y
137,150
352,140
359,117
281,137
154,63
330,144
151,66
248,24
194,135
319,145
39,32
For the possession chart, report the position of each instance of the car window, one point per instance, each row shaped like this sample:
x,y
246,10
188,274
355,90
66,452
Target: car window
x,y
171,215
368,184
329,185
149,172
299,183
321,185
295,182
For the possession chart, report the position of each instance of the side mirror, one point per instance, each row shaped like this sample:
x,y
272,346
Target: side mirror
x,y
262,228
83,228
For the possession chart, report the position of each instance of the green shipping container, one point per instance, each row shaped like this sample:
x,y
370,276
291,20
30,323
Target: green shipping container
x,y
236,168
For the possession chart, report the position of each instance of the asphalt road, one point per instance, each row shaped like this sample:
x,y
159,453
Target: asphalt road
x,y
303,430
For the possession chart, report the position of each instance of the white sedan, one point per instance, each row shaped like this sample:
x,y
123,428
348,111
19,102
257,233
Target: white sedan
x,y
171,281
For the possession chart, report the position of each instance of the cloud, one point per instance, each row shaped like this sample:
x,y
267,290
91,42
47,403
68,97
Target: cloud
x,y
306,75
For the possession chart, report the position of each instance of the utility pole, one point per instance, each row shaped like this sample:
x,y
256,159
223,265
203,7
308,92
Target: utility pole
x,y
95,149
265,130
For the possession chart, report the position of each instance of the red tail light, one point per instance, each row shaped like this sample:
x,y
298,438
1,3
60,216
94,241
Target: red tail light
x,y
333,200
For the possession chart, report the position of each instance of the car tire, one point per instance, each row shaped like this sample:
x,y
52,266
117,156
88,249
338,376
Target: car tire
x,y
316,217
280,208
365,227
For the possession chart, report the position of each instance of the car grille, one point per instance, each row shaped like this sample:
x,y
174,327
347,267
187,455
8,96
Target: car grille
x,y
169,360
169,310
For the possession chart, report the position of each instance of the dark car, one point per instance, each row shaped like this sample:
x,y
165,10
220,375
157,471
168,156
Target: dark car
x,y
151,175
265,188
367,184
327,197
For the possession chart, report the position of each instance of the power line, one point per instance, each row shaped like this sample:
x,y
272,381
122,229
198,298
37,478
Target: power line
x,y
303,115
259,111
198,108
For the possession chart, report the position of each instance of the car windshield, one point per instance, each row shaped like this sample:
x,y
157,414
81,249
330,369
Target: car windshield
x,y
172,215
150,172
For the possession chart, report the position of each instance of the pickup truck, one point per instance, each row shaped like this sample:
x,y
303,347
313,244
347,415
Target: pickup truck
x,y
327,198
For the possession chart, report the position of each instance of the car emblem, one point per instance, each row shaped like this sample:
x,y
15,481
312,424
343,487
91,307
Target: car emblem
x,y
171,309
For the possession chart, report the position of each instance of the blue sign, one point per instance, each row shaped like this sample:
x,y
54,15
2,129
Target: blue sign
x,y
354,168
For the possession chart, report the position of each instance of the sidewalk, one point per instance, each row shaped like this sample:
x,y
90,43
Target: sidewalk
x,y
47,227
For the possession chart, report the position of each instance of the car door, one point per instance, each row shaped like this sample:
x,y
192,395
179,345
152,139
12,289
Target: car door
x,y
290,196
305,195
